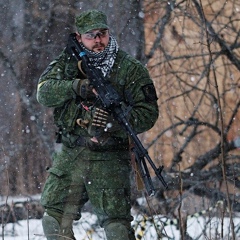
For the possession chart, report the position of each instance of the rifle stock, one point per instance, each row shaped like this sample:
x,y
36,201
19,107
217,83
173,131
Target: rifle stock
x,y
112,102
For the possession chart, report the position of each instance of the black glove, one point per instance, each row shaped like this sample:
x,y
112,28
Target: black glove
x,y
83,88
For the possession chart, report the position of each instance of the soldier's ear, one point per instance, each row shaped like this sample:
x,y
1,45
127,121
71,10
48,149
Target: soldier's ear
x,y
78,37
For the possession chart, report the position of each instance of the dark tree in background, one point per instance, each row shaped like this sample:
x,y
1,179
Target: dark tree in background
x,y
32,34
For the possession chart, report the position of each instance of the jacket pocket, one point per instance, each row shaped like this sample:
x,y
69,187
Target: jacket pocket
x,y
57,172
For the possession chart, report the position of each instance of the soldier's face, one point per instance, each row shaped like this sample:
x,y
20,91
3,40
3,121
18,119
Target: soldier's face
x,y
95,40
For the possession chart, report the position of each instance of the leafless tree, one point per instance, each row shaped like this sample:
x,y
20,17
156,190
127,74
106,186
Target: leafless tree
x,y
194,57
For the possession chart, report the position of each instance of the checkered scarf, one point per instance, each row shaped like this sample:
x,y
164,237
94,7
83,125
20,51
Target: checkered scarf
x,y
105,59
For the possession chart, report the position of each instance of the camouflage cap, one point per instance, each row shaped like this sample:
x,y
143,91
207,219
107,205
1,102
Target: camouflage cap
x,y
90,20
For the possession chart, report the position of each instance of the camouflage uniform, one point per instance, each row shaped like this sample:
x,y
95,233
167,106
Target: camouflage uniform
x,y
84,170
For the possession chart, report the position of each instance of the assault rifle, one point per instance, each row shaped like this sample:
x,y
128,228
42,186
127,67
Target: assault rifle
x,y
112,102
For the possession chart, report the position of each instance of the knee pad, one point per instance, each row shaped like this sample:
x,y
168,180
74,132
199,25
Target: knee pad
x,y
57,228
118,231
51,227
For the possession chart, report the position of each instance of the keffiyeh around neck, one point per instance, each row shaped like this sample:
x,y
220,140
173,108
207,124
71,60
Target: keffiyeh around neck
x,y
103,60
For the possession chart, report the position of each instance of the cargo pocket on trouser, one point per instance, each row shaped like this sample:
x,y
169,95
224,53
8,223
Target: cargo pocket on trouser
x,y
116,202
55,188
115,216
112,204
61,194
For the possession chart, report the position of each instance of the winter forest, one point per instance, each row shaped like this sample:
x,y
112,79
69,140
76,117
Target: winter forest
x,y
192,51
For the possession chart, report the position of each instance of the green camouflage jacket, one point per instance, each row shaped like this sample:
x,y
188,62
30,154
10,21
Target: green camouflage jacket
x,y
128,76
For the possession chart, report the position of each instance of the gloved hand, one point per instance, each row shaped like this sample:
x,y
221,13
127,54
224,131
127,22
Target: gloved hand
x,y
83,88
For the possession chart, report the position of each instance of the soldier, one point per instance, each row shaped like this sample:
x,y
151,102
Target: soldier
x,y
94,162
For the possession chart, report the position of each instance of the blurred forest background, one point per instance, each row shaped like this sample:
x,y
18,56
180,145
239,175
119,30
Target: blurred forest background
x,y
192,50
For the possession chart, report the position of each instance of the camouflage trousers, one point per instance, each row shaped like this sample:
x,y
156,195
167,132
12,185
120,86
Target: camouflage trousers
x,y
74,179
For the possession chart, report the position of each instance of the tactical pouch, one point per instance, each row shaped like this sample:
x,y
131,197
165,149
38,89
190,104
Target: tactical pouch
x,y
69,140
65,117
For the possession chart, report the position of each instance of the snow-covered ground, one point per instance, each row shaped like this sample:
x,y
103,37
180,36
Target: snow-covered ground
x,y
87,229
200,228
